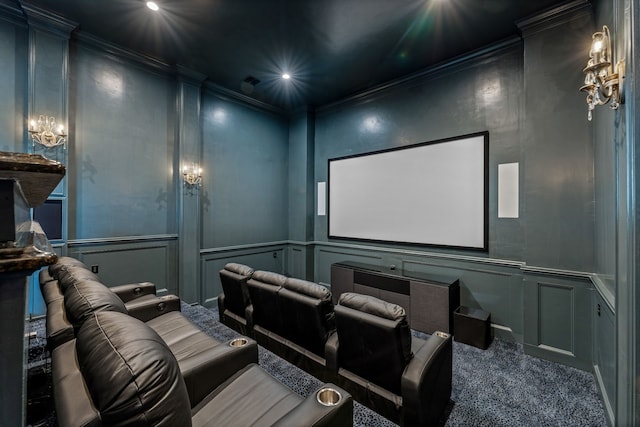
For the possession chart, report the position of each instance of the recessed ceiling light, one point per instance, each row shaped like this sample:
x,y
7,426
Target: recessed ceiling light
x,y
153,6
286,76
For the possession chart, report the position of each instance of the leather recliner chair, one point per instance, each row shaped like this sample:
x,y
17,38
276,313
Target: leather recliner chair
x,y
140,299
266,315
234,298
293,318
204,362
403,378
119,372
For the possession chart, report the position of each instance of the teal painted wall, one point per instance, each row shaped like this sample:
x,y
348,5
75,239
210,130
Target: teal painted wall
x,y
558,150
13,85
244,190
478,95
121,149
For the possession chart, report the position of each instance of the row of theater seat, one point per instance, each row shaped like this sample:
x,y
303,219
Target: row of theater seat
x,y
363,344
110,368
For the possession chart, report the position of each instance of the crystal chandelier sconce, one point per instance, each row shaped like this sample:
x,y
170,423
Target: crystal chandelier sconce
x,y
47,133
602,82
192,175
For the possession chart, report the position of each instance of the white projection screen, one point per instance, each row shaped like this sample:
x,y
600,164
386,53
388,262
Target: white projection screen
x,y
434,193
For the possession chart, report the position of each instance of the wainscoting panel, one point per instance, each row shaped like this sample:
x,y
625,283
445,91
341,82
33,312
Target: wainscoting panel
x,y
144,260
556,314
557,319
493,288
267,257
604,353
297,261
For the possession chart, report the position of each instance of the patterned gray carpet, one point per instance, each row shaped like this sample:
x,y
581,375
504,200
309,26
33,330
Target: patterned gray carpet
x,y
500,386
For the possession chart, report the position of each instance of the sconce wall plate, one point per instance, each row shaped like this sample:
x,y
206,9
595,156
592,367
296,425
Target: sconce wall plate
x,y
602,82
47,133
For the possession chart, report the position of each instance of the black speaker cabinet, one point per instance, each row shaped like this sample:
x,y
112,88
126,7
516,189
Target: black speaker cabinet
x,y
472,326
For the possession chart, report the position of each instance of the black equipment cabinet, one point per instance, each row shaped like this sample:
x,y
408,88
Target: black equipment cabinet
x,y
428,299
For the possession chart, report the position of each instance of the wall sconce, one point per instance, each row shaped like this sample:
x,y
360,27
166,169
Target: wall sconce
x,y
46,133
192,175
602,81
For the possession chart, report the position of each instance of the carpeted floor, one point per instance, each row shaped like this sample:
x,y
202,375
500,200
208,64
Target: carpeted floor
x,y
500,386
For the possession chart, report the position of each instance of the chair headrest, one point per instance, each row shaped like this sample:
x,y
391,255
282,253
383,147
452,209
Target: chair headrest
x,y
73,274
307,288
84,297
269,278
372,305
131,374
63,263
240,269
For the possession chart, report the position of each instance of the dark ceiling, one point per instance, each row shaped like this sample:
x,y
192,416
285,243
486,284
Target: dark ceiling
x,y
331,48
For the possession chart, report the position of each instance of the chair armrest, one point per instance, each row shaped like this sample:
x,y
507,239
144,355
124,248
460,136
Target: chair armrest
x,y
248,314
310,412
150,306
426,381
73,403
221,307
132,291
331,352
59,329
206,371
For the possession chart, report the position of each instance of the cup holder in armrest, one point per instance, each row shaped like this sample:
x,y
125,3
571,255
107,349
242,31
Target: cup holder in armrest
x,y
238,342
328,396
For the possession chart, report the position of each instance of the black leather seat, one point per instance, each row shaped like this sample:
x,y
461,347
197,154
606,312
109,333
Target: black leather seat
x,y
309,311
234,299
405,379
265,312
119,372
293,318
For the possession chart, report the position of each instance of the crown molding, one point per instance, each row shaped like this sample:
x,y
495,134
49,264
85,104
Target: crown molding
x,y
468,59
553,17
11,12
47,21
231,95
121,54
190,76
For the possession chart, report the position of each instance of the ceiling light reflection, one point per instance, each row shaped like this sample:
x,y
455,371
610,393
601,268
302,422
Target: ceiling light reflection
x,y
153,6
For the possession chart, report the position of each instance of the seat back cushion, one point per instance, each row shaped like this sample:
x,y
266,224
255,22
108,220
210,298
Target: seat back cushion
x,y
234,285
44,276
263,291
64,262
70,274
309,313
131,374
51,291
374,339
83,298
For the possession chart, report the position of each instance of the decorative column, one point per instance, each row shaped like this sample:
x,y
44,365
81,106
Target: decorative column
x,y
25,182
189,166
48,83
48,104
